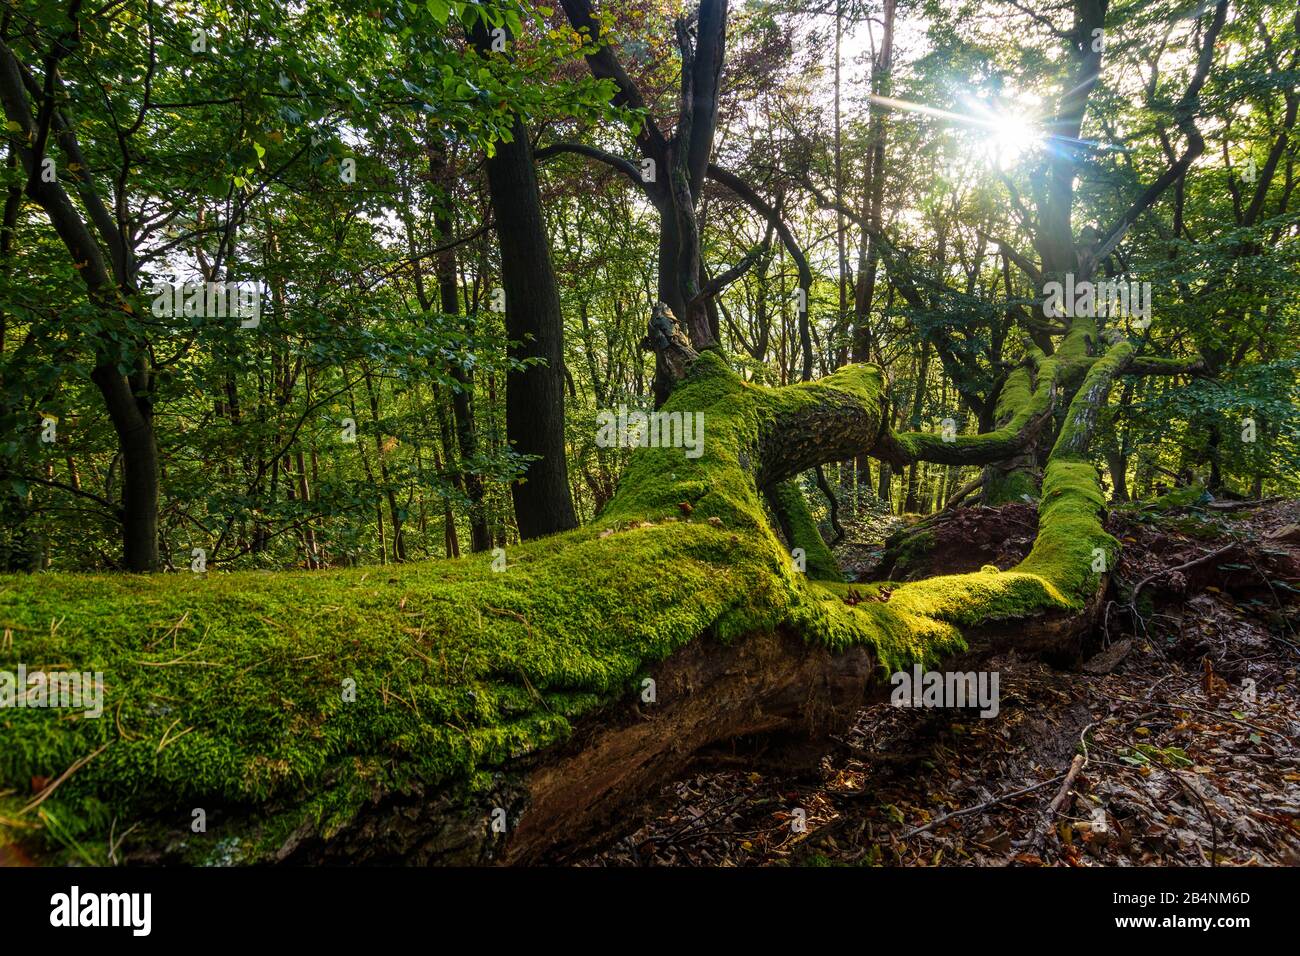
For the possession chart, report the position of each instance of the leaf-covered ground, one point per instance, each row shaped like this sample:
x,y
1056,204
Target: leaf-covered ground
x,y
1187,721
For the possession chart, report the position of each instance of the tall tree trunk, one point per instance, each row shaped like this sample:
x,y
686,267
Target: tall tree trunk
x,y
1116,465
535,391
462,400
110,285
872,202
131,413
873,192
886,482
381,455
918,396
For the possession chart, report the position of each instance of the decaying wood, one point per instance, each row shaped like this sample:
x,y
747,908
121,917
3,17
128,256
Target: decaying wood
x,y
1049,815
558,802
550,804
669,343
587,791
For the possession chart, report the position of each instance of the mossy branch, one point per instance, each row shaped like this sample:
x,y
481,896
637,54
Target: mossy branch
x,y
800,531
1025,406
811,423
1154,365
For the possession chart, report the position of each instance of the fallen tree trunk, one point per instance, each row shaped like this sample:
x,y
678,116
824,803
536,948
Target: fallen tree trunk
x,y
576,796
482,709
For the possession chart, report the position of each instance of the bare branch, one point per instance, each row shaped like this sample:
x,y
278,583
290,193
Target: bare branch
x,y
624,166
1184,117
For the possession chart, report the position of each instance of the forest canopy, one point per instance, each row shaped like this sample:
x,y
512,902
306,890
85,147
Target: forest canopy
x,y
897,184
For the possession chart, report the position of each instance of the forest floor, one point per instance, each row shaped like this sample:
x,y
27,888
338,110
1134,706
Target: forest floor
x,y
1185,723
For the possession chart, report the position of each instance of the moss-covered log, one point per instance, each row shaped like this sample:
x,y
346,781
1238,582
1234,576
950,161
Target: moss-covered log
x,y
399,713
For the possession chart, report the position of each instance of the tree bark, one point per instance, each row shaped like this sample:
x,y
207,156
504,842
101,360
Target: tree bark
x,y
132,418
462,400
534,392
873,192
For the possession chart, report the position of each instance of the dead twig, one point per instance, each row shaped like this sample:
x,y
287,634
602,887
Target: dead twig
x,y
982,806
1194,563
49,789
1039,838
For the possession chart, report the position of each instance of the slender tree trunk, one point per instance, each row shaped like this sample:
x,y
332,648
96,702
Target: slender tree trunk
x,y
110,284
132,418
534,392
918,396
370,479
462,400
1213,453
1116,465
381,455
304,495
873,192
873,203
535,327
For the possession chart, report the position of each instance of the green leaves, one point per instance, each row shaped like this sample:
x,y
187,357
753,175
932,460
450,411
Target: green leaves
x,y
440,10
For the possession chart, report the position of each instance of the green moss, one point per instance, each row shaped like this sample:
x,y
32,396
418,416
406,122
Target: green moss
x,y
1072,549
1018,390
225,691
1155,365
819,562
1027,396
1079,344
915,545
1186,497
1002,487
1024,396
908,547
1081,417
1028,393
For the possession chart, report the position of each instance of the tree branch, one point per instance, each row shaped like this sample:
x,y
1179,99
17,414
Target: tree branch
x,y
605,66
720,282
1184,116
114,510
774,218
624,166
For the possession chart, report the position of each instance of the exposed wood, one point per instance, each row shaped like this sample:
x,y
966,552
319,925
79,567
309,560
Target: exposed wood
x,y
564,800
